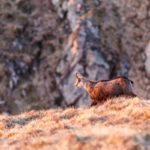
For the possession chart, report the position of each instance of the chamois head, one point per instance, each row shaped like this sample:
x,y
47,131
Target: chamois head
x,y
81,82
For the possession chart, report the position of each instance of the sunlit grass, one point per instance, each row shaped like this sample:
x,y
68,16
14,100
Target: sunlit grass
x,y
120,123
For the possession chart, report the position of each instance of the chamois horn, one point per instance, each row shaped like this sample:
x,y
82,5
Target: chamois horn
x,y
78,79
79,76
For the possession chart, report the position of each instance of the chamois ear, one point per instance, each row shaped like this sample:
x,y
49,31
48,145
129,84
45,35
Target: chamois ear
x,y
78,76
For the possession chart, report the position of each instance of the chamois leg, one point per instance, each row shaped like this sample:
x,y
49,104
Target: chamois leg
x,y
132,95
93,103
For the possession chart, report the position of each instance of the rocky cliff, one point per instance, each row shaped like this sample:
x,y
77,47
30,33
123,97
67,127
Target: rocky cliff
x,y
44,43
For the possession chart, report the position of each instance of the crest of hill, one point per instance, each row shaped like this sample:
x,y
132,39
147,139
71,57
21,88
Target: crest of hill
x,y
120,123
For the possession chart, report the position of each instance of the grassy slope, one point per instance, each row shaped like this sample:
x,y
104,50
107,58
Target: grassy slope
x,y
120,123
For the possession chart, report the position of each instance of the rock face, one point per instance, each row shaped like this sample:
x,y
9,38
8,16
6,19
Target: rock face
x,y
147,62
81,52
44,43
124,36
29,52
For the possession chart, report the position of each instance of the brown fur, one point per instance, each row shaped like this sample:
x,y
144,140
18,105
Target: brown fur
x,y
99,91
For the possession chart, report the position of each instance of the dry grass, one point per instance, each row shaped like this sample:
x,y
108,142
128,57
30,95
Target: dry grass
x,y
120,123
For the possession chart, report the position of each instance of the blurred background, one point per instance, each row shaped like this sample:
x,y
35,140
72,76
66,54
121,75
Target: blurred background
x,y
43,43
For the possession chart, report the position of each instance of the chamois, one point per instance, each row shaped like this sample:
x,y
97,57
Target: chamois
x,y
99,91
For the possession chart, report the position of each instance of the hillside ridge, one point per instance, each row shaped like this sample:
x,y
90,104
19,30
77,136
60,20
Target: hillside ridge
x,y
120,123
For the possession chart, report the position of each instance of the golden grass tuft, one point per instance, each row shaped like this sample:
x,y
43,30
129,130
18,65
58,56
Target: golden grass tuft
x,y
119,124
